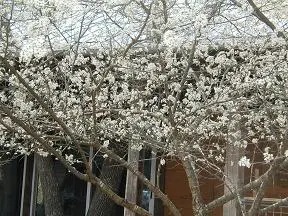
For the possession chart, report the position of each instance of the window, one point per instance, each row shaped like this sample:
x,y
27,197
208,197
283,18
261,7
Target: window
x,y
281,211
10,187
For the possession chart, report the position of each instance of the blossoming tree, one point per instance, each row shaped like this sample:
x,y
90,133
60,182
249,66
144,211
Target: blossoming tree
x,y
204,82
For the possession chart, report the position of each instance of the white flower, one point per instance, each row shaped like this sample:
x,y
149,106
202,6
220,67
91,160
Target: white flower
x,y
244,161
172,39
105,156
254,140
171,98
42,153
162,161
106,144
267,156
137,147
69,158
201,20
151,67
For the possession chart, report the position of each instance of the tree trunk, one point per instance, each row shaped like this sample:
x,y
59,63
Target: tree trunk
x,y
50,187
111,174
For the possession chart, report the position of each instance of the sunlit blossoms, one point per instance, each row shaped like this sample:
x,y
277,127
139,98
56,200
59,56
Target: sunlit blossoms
x,y
144,100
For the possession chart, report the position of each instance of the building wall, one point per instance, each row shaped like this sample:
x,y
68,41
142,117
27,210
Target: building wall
x,y
177,189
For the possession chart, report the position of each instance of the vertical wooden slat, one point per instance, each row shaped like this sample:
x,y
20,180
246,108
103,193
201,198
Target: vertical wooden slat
x,y
153,181
131,180
33,189
23,185
233,178
89,186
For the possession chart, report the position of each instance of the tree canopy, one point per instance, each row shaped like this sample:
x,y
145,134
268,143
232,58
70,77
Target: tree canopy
x,y
186,78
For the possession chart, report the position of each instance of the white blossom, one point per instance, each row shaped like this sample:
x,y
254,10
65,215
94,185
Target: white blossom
x,y
106,144
162,161
268,157
244,161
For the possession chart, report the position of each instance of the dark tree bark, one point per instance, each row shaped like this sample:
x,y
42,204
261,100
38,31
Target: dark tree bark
x,y
50,187
101,205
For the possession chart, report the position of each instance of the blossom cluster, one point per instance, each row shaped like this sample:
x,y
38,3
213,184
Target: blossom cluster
x,y
228,97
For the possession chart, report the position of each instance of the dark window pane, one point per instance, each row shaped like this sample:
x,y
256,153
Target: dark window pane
x,y
10,187
145,167
72,191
